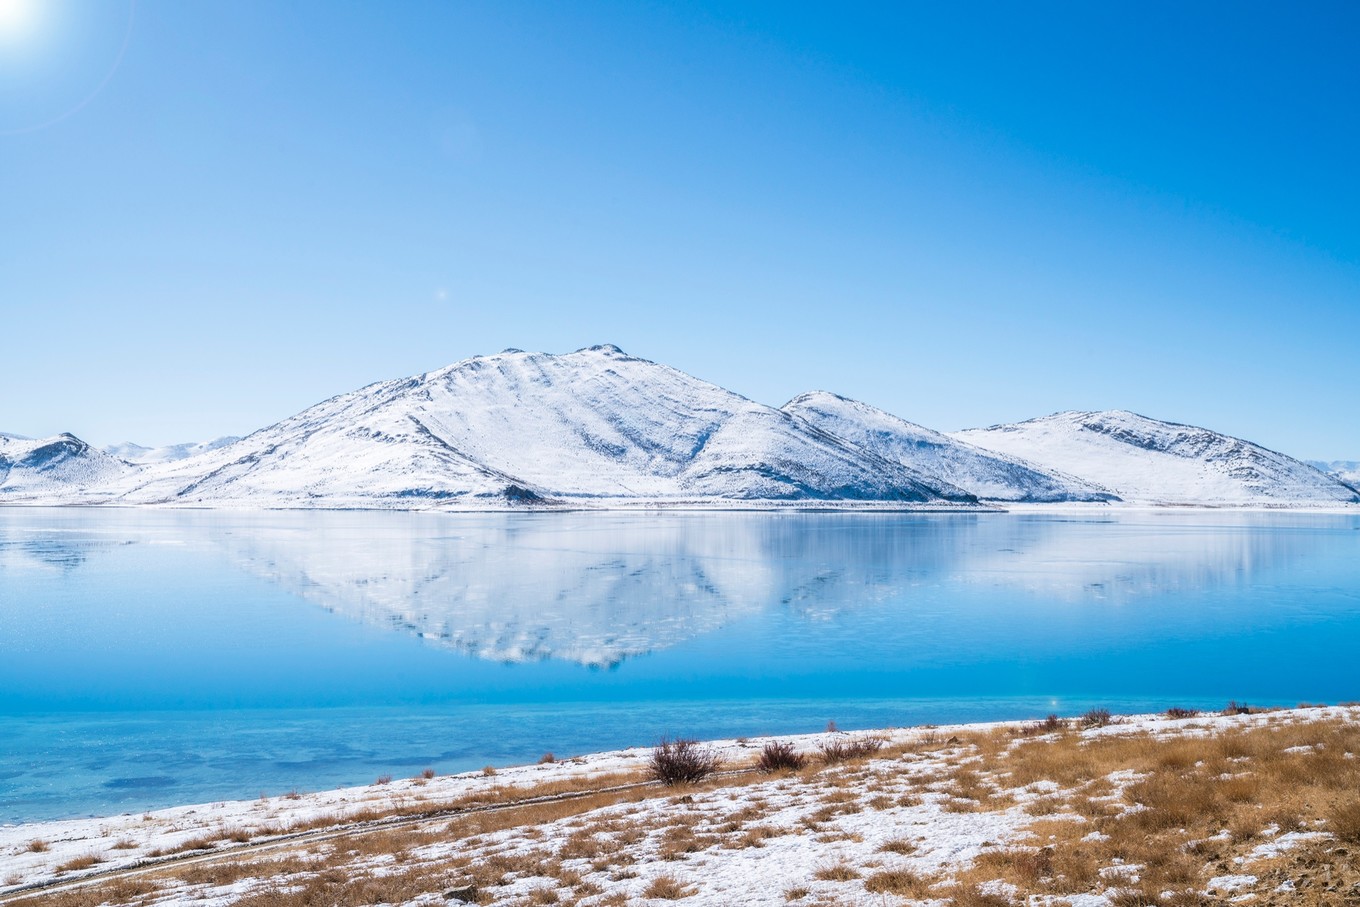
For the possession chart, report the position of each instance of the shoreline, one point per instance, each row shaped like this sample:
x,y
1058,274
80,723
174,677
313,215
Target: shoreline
x,y
122,842
653,506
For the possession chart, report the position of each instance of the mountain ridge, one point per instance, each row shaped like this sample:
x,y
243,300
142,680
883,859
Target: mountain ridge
x,y
598,427
1150,461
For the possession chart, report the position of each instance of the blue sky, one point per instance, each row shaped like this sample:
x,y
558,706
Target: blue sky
x,y
214,214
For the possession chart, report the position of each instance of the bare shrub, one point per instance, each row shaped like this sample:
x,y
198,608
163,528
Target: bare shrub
x,y
1236,708
780,757
834,751
1096,718
1050,725
427,774
38,845
1177,712
682,761
547,759
383,779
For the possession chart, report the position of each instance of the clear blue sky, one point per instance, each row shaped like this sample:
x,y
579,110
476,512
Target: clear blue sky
x,y
963,213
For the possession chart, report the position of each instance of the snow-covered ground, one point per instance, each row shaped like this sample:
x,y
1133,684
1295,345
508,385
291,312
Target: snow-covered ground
x,y
919,811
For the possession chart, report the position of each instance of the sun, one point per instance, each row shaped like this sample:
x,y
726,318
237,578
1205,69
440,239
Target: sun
x,y
15,17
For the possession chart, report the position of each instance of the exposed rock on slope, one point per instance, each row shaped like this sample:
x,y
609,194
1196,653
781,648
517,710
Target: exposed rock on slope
x,y
990,476
1142,459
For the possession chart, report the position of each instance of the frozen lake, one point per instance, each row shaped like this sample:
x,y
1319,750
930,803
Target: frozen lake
x,y
149,658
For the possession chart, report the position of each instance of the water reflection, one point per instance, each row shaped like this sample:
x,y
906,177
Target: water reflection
x,y
595,589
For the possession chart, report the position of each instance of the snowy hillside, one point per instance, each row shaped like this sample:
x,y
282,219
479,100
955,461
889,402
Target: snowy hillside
x,y
61,468
1347,471
136,453
989,476
593,424
1145,460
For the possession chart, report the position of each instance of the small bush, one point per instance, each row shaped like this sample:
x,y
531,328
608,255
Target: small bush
x,y
1050,725
835,751
780,757
383,779
831,726
489,770
427,774
796,894
1178,713
547,759
38,845
1096,718
682,761
1236,708
292,795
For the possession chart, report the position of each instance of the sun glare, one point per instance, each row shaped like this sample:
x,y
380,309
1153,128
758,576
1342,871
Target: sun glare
x,y
15,17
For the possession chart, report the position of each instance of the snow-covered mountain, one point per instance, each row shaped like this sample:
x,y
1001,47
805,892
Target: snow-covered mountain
x,y
62,468
136,453
989,476
1347,471
1145,460
600,427
593,424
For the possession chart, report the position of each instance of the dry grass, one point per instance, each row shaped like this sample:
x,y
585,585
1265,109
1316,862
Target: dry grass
x,y
1343,820
1176,809
668,889
834,752
84,861
837,872
901,882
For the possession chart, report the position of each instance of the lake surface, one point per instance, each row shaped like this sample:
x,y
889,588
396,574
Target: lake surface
x,y
149,658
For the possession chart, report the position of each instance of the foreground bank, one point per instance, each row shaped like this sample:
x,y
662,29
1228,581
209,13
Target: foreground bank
x,y
1174,809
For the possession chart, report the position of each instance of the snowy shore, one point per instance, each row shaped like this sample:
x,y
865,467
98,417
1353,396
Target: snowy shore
x,y
870,819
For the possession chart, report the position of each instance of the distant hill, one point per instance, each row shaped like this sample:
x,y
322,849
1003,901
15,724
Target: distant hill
x,y
1347,471
59,469
991,476
1145,460
136,453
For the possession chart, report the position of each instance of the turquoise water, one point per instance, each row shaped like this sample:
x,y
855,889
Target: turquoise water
x,y
153,658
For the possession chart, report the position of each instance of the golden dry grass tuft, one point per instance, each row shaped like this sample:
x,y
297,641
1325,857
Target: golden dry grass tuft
x,y
667,888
